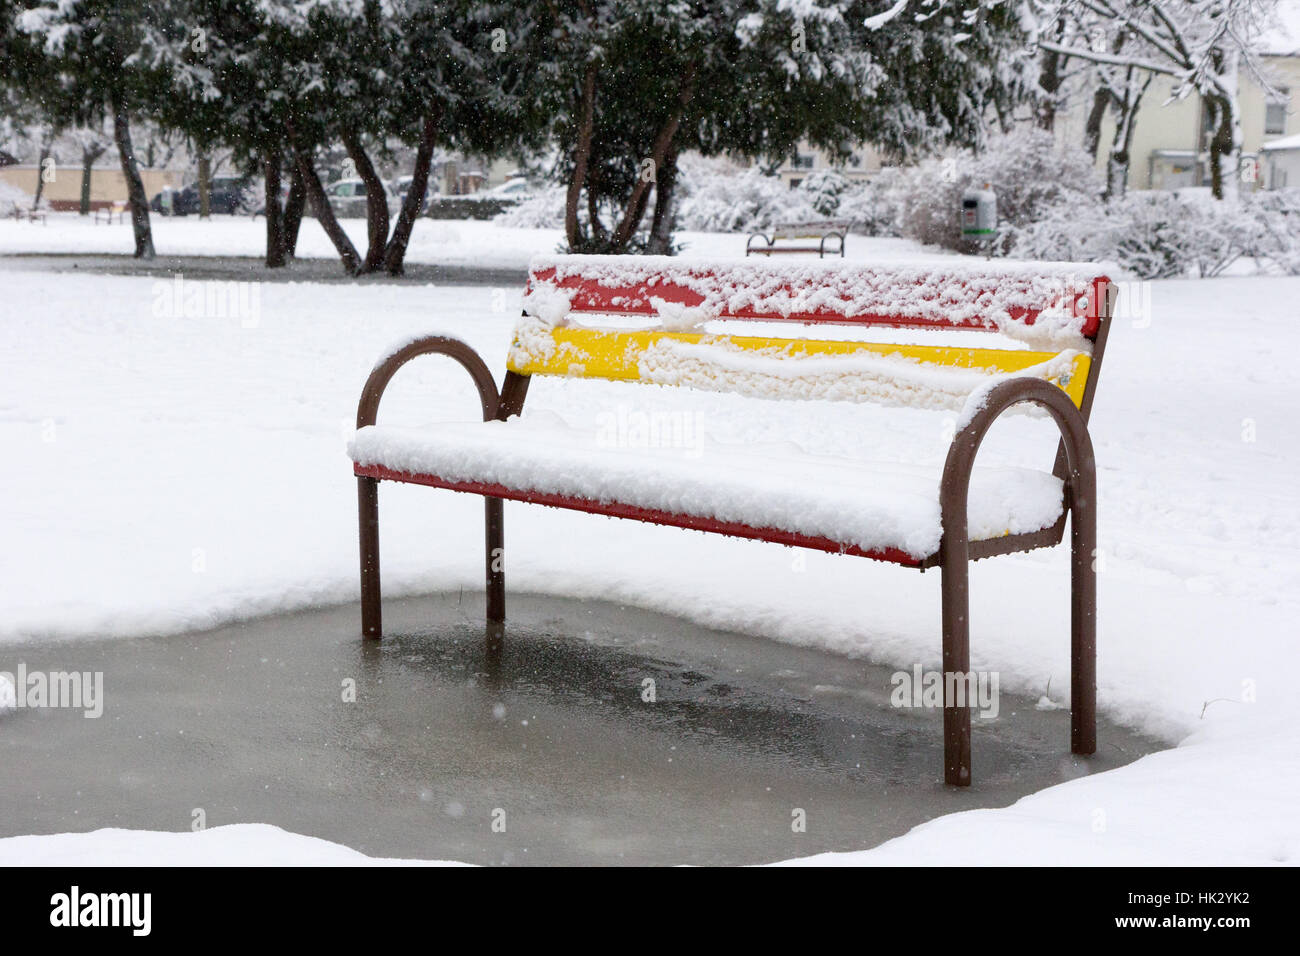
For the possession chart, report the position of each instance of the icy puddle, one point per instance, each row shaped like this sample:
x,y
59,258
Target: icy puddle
x,y
592,733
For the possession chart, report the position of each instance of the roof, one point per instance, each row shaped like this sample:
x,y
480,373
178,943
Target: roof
x,y
1287,142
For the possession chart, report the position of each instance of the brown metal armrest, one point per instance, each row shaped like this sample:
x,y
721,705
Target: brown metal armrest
x,y
1080,478
368,407
954,550
368,488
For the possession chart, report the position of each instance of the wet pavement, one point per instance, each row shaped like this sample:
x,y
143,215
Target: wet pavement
x,y
253,269
540,748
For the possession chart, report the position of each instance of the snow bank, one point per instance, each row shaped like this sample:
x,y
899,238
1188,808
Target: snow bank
x,y
244,844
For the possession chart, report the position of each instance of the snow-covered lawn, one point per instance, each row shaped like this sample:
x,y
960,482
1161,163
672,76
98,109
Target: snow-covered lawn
x,y
164,473
445,242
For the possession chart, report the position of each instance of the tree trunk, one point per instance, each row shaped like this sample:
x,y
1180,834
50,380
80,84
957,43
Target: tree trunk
x,y
274,221
1050,81
205,186
1005,120
47,145
658,154
413,203
1225,155
1225,147
376,203
320,206
1092,129
581,154
1126,107
134,186
1101,99
88,156
661,225
293,207
599,235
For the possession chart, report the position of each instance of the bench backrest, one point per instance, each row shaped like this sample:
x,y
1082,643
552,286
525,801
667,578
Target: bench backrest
x,y
808,230
1057,312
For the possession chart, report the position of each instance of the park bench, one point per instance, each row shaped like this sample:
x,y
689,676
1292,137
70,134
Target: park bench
x,y
116,209
664,321
30,215
800,233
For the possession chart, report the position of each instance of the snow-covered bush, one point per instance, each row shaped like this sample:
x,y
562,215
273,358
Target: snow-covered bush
x,y
873,208
544,210
1164,235
714,195
1278,216
1161,235
824,189
1029,174
11,198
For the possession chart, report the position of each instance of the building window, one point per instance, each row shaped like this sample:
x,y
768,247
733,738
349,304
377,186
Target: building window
x,y
794,183
802,161
1275,113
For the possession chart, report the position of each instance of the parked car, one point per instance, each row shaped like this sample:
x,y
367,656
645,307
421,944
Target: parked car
x,y
517,188
227,195
347,198
403,183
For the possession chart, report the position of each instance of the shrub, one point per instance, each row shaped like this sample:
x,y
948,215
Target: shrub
x,y
1162,235
1026,171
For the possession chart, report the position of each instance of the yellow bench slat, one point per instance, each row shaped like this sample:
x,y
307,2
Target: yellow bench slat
x,y
615,354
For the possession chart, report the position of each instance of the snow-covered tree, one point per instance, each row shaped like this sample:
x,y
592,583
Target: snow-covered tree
x,y
107,58
1203,45
626,86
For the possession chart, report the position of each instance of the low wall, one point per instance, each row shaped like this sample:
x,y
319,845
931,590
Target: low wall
x,y
107,184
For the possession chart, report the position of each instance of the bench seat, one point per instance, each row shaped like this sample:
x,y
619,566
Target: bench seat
x,y
882,509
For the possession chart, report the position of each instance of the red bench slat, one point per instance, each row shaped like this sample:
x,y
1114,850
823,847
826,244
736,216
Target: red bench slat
x,y
616,509
596,295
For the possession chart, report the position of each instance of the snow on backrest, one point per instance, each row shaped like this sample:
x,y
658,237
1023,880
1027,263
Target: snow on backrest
x,y
1052,305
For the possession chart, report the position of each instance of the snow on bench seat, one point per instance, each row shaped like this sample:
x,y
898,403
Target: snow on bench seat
x,y
874,506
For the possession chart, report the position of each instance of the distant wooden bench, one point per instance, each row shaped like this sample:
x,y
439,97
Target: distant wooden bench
x,y
107,213
894,512
30,215
800,232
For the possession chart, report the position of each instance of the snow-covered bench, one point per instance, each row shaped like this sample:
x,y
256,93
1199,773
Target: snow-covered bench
x,y
666,322
20,213
822,231
116,209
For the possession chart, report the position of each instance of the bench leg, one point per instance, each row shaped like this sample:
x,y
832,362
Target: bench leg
x,y
956,660
495,555
1083,626
368,515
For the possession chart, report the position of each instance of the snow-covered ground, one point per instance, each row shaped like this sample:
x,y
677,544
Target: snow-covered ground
x,y
242,844
167,473
445,242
